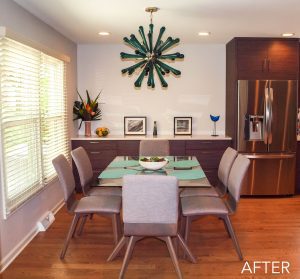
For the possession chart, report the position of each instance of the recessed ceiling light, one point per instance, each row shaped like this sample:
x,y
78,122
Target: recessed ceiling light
x,y
204,33
104,33
288,34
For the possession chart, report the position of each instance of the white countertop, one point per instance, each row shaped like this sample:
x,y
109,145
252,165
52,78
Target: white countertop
x,y
148,137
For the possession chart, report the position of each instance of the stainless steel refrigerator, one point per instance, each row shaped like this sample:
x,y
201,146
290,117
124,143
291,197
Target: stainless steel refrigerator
x,y
267,118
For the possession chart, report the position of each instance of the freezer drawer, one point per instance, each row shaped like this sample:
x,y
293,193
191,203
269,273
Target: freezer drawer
x,y
270,174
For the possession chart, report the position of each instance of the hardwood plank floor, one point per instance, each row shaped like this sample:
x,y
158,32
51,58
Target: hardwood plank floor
x,y
267,229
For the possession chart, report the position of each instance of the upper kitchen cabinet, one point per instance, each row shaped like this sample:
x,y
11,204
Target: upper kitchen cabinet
x,y
265,58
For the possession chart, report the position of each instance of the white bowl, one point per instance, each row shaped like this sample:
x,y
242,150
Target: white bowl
x,y
153,165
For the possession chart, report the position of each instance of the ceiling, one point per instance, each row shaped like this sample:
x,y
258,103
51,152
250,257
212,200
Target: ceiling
x,y
81,20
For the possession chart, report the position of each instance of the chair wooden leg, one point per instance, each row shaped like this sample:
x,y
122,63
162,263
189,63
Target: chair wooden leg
x,y
226,227
127,256
188,222
186,249
175,245
80,230
91,216
76,225
115,227
233,236
70,233
182,225
117,249
119,226
169,243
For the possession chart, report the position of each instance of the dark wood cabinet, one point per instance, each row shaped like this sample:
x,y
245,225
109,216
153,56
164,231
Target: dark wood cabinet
x,y
298,169
209,154
128,147
267,58
177,147
102,152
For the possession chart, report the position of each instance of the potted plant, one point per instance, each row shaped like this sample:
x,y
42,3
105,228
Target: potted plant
x,y
87,111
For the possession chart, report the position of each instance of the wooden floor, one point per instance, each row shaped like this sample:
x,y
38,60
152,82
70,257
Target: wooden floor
x,y
267,229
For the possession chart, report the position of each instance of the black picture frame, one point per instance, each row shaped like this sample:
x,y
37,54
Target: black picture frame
x,y
135,125
183,126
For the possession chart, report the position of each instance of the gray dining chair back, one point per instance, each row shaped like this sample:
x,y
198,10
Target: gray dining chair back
x,y
151,201
84,167
150,208
219,190
86,176
66,179
154,148
235,180
225,165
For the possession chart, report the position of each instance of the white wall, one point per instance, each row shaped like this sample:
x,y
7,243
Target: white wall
x,y
21,226
199,92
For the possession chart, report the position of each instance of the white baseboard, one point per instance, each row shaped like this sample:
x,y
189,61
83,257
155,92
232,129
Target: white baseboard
x,y
9,258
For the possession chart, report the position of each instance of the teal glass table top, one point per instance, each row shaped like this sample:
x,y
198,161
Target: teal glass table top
x,y
186,168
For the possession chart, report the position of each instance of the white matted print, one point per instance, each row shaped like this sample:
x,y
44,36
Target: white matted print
x,y
183,126
135,125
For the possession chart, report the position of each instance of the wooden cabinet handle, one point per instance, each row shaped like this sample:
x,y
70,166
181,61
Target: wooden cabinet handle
x,y
94,152
207,152
94,142
268,65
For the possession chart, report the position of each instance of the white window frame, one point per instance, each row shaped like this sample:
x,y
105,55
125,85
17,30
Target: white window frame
x,y
45,180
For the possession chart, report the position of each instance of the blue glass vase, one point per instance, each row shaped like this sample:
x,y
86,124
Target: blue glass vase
x,y
214,119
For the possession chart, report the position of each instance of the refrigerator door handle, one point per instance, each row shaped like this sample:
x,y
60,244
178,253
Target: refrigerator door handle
x,y
271,156
270,136
266,116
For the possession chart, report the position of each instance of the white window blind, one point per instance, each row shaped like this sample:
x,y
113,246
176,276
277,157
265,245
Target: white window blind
x,y
33,120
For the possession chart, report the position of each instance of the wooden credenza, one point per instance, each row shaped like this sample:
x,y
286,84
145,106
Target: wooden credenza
x,y
103,151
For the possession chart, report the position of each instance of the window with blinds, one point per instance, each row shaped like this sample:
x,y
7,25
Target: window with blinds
x,y
33,120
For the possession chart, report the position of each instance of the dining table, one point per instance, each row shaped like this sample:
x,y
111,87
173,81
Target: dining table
x,y
187,169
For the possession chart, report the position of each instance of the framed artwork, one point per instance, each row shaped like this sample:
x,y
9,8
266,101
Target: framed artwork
x,y
183,126
135,125
183,158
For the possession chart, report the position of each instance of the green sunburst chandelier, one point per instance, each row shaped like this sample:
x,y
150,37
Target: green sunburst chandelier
x,y
149,57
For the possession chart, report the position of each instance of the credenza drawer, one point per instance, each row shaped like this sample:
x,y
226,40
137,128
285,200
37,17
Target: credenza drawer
x,y
100,159
207,144
128,148
95,145
206,158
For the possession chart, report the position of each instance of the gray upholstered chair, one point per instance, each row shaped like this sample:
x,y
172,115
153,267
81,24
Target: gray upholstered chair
x,y
104,205
223,173
154,148
198,206
150,208
85,171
